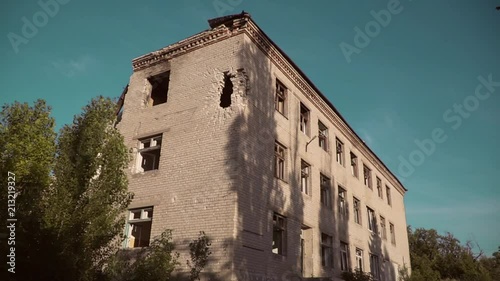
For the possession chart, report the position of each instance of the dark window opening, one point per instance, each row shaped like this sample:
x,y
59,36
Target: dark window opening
x,y
227,91
159,84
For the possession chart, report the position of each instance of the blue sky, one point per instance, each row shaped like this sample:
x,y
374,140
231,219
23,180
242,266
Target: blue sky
x,y
403,86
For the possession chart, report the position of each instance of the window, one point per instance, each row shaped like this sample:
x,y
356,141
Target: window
x,y
305,170
359,259
339,151
342,203
393,235
279,234
383,229
304,119
159,88
388,195
357,211
344,256
138,228
280,97
372,224
323,136
374,267
149,153
279,161
354,165
379,188
325,191
367,175
227,91
326,250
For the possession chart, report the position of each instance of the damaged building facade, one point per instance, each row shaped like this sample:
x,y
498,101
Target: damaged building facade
x,y
229,137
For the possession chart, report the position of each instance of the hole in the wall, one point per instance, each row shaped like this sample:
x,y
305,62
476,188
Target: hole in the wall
x,y
227,91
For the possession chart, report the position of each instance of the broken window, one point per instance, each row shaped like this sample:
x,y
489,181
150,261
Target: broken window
x,y
149,153
359,259
342,203
339,151
279,160
383,229
393,235
344,256
304,119
279,234
138,228
227,91
304,177
323,136
354,165
367,175
159,88
326,250
280,97
388,195
372,224
374,267
325,194
357,211
379,188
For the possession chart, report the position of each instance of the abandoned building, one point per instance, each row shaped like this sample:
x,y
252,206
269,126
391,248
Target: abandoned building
x,y
230,137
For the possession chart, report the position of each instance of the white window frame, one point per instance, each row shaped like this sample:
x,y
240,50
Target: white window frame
x,y
145,216
155,143
344,256
279,228
325,191
279,160
305,177
359,259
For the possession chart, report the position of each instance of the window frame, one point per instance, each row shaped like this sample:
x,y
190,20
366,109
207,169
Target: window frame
x,y
357,210
374,267
305,177
280,226
344,256
392,232
339,151
322,136
367,176
146,216
140,157
280,154
372,221
280,95
359,259
383,228
388,195
304,119
379,188
342,202
354,165
326,250
325,191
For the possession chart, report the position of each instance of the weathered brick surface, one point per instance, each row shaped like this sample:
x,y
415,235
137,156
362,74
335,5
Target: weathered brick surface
x,y
216,167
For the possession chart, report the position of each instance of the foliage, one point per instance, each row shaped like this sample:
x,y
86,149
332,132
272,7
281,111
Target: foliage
x,y
356,275
492,265
27,149
437,257
199,251
158,261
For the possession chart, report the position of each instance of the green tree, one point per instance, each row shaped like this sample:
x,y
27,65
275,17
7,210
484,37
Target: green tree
x,y
27,149
437,257
356,275
86,204
199,251
492,264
